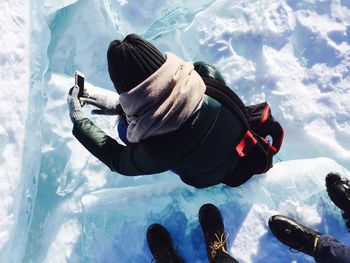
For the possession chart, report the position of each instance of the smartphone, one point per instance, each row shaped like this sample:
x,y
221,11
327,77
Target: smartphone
x,y
79,80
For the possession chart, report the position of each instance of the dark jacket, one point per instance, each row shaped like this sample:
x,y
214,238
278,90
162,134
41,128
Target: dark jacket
x,y
201,152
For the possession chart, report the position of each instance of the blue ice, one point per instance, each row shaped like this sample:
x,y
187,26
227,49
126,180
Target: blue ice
x,y
286,53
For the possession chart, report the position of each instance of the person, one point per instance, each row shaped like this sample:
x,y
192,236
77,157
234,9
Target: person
x,y
323,248
162,248
169,121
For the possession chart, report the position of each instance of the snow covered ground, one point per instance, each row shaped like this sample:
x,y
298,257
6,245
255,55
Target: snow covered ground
x,y
59,204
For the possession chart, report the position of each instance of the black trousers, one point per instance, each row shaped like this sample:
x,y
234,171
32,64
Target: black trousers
x,y
331,250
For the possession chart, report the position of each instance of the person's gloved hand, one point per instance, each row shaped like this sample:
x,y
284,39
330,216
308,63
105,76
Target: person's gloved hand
x,y
107,105
75,111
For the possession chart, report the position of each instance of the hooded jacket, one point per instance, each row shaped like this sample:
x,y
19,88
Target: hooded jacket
x,y
201,151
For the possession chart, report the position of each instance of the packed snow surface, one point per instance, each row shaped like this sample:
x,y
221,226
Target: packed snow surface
x,y
60,204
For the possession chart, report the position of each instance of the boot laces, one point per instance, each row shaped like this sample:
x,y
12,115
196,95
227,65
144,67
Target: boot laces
x,y
218,244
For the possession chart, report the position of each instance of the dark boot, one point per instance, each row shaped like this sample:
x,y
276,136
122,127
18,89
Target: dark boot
x,y
338,189
212,225
161,245
294,235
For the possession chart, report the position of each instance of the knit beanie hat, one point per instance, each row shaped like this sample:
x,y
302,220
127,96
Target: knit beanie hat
x,y
131,61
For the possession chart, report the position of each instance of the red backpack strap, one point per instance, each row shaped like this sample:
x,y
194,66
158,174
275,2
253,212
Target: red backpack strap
x,y
265,126
228,98
246,144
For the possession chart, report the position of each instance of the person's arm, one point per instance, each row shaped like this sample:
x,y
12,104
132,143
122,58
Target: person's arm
x,y
117,157
97,142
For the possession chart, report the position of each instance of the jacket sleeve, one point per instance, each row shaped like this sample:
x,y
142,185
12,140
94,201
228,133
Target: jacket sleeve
x,y
116,156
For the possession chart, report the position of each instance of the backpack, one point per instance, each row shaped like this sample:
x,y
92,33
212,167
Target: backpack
x,y
263,135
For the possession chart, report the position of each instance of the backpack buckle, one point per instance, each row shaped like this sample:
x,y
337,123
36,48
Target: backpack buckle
x,y
246,144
